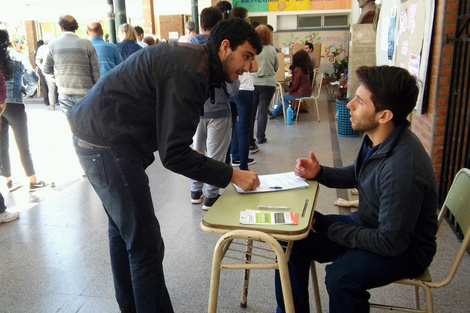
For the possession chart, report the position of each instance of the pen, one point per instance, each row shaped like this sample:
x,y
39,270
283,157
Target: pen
x,y
305,207
273,207
275,187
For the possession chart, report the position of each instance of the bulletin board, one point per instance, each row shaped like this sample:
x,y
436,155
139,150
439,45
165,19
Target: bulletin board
x,y
404,38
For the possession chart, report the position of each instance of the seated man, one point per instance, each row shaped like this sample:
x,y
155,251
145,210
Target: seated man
x,y
393,232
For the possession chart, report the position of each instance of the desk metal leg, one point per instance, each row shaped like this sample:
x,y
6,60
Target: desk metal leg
x,y
246,278
281,264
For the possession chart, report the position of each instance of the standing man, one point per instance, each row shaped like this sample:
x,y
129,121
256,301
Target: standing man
x,y
392,235
41,55
213,133
108,54
139,31
154,102
73,62
309,48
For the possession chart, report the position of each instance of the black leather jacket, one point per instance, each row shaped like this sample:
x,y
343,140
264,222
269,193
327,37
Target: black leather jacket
x,y
153,101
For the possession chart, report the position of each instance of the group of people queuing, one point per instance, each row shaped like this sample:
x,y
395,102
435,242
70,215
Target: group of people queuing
x,y
196,105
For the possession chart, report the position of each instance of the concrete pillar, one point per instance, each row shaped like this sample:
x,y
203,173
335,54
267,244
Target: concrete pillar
x,y
120,12
361,52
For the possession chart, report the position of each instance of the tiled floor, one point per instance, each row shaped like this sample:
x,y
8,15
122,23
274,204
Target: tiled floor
x,y
55,257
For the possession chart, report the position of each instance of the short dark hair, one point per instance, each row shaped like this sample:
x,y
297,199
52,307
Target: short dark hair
x,y
309,44
209,17
68,23
392,88
139,30
237,31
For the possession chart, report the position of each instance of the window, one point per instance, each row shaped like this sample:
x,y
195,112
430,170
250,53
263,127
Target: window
x,y
309,21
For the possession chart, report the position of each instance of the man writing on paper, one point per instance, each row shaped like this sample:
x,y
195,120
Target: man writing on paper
x,y
153,101
392,234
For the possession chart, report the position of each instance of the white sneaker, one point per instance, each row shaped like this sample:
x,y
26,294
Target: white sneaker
x,y
6,216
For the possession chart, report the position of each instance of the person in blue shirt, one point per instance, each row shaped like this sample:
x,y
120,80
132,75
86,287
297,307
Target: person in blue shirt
x,y
108,54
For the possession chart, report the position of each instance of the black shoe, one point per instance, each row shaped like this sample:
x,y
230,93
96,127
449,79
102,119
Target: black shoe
x,y
237,162
37,186
262,140
196,197
209,202
254,148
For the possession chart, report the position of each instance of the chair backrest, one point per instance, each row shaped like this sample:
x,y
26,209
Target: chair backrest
x,y
458,204
317,82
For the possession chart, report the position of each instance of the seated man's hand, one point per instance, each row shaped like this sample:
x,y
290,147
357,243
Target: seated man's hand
x,y
246,180
307,168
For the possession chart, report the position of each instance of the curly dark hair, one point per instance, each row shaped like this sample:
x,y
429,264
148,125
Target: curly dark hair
x,y
301,59
5,60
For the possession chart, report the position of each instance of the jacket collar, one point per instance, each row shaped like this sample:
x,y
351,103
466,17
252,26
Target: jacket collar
x,y
389,143
216,77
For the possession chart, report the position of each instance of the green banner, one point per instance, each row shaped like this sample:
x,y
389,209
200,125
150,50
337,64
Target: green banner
x,y
252,5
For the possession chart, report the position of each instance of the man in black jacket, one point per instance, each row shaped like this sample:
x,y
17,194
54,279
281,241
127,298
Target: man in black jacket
x,y
153,101
392,235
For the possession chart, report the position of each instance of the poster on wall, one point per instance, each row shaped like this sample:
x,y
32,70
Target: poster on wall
x,y
291,5
409,44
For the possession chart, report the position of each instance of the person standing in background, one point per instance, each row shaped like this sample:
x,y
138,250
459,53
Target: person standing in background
x,y
5,70
73,62
49,80
243,106
265,83
108,54
191,32
139,31
15,116
128,44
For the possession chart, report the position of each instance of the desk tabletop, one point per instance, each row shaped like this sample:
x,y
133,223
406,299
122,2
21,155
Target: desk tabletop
x,y
225,213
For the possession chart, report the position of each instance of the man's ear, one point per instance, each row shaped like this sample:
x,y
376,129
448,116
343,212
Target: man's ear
x,y
385,116
224,49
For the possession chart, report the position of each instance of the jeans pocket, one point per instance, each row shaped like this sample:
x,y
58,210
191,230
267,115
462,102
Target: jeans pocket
x,y
94,169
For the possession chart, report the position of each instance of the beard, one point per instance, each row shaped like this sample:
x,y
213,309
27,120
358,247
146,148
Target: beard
x,y
366,125
226,69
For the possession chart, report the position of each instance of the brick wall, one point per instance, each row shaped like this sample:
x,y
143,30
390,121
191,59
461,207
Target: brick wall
x,y
31,40
430,126
171,23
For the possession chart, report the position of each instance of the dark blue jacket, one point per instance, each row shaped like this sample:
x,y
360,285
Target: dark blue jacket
x,y
127,47
397,199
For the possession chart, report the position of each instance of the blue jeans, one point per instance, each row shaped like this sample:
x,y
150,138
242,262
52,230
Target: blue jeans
x,y
66,102
135,243
352,272
240,146
287,98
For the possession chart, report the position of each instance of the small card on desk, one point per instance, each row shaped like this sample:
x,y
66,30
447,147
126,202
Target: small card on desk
x,y
276,182
268,218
